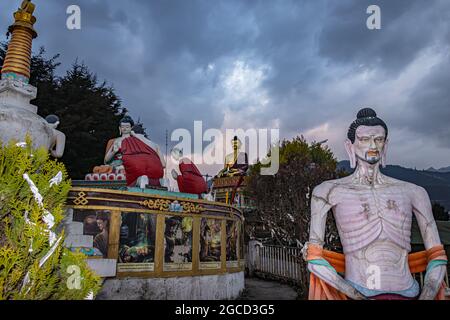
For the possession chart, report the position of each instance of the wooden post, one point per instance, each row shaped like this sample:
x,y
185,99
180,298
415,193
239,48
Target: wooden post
x,y
115,222
223,244
159,243
196,244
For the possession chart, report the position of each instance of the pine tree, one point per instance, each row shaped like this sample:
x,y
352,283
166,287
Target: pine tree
x,y
34,264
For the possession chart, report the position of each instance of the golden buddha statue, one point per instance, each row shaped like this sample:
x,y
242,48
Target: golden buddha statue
x,y
236,163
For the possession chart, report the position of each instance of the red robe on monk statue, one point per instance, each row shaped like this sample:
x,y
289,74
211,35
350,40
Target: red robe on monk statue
x,y
139,159
191,180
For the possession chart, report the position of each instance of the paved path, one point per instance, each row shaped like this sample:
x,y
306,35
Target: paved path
x,y
258,289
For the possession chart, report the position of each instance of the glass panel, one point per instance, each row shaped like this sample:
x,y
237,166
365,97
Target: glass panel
x,y
210,243
137,242
178,243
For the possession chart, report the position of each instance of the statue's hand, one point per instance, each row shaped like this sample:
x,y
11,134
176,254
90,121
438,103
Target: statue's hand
x,y
432,282
116,147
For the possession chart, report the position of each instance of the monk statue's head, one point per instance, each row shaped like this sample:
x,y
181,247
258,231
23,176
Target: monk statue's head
x,y
236,143
126,125
176,154
367,139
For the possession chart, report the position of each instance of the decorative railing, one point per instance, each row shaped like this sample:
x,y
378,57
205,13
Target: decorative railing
x,y
276,262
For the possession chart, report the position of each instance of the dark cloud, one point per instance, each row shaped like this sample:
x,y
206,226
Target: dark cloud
x,y
407,27
430,105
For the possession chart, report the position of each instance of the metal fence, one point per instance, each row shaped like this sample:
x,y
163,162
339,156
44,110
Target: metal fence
x,y
277,262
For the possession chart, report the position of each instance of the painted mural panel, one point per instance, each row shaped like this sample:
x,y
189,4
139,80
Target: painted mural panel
x,y
210,243
137,243
178,243
232,244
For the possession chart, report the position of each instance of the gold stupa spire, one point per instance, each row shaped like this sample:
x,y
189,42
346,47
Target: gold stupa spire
x,y
18,57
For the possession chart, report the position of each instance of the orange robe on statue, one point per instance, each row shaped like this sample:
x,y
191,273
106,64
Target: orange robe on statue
x,y
320,290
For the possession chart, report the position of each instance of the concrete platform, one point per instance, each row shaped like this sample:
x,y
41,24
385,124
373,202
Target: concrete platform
x,y
103,267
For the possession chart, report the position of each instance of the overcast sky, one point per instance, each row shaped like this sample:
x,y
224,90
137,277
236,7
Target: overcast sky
x,y
305,67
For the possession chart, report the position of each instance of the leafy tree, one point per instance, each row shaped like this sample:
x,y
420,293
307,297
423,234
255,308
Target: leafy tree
x,y
33,265
439,212
283,200
139,128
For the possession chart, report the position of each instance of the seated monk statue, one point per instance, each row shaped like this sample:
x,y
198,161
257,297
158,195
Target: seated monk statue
x,y
190,180
236,163
373,214
139,157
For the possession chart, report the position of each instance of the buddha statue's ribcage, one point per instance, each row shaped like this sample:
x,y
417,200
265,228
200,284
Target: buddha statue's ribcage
x,y
365,216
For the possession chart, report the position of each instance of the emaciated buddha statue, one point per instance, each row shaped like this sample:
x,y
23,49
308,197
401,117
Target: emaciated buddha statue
x,y
373,214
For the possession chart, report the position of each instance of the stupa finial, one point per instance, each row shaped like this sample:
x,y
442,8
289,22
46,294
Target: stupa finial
x,y
18,57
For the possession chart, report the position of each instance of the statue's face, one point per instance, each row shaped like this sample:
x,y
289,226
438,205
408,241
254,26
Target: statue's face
x,y
176,154
125,128
369,143
101,224
236,144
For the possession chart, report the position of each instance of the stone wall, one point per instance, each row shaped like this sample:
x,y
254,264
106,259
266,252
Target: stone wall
x,y
213,287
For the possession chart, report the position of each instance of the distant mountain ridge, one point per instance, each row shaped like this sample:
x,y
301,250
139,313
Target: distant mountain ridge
x,y
444,170
437,183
